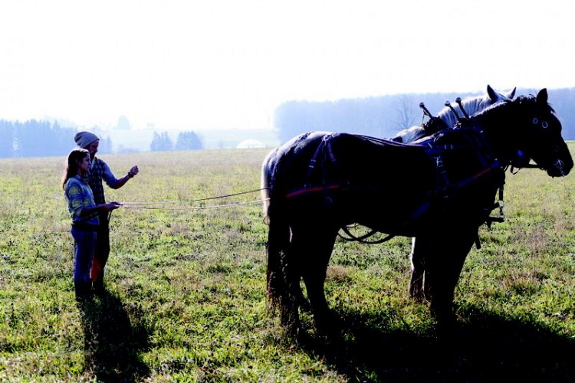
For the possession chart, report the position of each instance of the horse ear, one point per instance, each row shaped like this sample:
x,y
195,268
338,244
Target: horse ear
x,y
493,96
511,94
542,96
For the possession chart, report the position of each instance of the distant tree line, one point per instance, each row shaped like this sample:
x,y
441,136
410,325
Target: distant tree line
x,y
38,139
384,116
185,141
35,138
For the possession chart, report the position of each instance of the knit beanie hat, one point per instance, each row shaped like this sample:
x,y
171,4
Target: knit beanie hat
x,y
83,139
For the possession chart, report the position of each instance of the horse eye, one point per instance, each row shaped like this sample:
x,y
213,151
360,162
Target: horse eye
x,y
535,121
544,124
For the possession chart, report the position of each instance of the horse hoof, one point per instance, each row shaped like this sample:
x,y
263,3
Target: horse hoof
x,y
417,295
328,325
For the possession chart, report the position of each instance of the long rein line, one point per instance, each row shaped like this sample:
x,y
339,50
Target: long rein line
x,y
153,204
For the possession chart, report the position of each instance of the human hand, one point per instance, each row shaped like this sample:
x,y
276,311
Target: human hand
x,y
112,205
133,171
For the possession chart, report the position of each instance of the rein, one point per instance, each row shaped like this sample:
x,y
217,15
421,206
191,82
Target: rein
x,y
362,238
153,205
142,206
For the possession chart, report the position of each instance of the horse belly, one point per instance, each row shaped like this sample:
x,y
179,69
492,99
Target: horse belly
x,y
385,212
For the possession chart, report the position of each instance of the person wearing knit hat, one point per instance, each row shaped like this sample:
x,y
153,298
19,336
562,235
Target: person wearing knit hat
x,y
100,171
83,139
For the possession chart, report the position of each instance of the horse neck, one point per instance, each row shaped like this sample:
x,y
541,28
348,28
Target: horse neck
x,y
499,127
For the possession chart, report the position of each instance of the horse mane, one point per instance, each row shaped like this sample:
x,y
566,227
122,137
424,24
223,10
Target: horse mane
x,y
472,105
519,100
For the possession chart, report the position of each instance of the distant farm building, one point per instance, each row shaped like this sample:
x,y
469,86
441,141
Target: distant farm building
x,y
250,144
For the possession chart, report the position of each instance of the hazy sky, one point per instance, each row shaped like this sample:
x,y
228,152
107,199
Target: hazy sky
x,y
220,64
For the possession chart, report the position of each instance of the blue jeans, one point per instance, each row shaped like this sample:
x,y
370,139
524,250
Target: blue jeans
x,y
84,246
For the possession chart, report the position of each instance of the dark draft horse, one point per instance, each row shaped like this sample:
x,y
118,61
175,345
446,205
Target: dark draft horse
x,y
440,190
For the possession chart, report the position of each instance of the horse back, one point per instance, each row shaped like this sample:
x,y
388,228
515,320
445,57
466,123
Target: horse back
x,y
344,178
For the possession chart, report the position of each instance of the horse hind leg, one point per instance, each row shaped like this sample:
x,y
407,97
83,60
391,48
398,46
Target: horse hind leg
x,y
315,249
282,277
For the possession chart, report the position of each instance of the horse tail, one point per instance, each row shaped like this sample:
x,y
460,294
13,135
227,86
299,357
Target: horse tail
x,y
278,241
265,184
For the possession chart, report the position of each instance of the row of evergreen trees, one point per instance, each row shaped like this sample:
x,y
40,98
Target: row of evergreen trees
x,y
35,138
185,141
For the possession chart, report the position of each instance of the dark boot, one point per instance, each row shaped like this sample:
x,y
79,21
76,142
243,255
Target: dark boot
x,y
98,285
83,290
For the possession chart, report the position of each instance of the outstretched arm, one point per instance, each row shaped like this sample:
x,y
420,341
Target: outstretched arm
x,y
116,183
122,181
102,208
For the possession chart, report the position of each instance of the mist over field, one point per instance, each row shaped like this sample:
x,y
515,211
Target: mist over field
x,y
380,116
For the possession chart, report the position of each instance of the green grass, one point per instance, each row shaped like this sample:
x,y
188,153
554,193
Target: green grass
x,y
186,287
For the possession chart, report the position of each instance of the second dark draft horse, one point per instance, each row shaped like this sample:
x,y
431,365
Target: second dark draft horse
x,y
440,190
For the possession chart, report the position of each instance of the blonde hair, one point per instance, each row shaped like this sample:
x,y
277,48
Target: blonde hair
x,y
75,156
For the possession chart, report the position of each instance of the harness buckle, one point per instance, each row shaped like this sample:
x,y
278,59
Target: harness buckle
x,y
501,205
439,163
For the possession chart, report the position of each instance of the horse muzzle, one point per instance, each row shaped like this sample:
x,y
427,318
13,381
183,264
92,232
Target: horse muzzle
x,y
559,168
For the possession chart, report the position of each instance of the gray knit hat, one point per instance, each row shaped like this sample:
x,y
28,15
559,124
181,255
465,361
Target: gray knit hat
x,y
83,139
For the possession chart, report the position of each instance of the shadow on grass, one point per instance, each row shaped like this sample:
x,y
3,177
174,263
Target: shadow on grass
x,y
112,343
484,348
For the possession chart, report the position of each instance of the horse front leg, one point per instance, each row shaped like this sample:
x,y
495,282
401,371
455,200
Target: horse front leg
x,y
417,258
443,264
418,285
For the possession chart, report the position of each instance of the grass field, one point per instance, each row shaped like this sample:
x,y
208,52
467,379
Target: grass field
x,y
186,287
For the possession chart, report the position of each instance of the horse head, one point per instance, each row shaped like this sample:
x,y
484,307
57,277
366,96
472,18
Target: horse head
x,y
531,130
